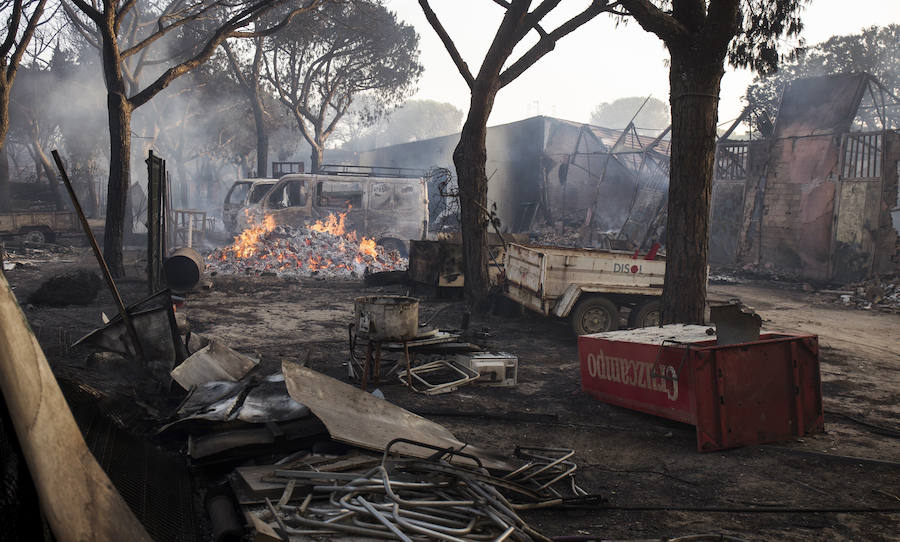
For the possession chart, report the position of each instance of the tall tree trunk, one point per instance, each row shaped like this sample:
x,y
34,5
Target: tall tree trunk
x,y
470,159
694,101
5,196
315,157
5,202
119,181
262,137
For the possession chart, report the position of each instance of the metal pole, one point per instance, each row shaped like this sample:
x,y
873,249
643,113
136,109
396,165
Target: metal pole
x,y
132,333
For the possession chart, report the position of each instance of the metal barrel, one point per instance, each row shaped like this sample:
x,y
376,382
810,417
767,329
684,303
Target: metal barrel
x,y
183,268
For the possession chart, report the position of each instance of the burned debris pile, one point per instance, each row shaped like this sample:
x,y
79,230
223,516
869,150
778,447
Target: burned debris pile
x,y
880,293
324,249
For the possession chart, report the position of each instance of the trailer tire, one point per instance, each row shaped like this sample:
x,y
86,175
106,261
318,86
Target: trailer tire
x,y
594,314
645,314
35,237
389,244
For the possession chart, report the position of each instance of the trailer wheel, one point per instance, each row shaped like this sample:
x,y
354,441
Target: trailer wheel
x,y
645,315
595,314
389,244
35,237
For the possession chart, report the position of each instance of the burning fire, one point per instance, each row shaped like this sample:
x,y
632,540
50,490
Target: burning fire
x,y
325,245
367,246
245,244
335,225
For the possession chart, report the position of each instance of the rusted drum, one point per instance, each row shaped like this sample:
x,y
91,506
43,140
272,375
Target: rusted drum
x,y
387,317
183,268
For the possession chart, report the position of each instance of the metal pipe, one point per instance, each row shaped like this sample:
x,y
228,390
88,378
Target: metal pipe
x,y
184,269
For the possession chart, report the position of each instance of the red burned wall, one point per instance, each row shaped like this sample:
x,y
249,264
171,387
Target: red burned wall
x,y
798,206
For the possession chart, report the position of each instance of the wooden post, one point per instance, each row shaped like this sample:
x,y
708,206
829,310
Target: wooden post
x,y
155,223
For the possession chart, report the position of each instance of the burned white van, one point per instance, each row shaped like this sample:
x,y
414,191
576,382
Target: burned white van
x,y
391,210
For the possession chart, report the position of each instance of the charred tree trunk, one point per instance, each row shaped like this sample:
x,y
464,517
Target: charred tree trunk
x,y
694,101
5,196
119,181
262,137
5,202
470,159
316,156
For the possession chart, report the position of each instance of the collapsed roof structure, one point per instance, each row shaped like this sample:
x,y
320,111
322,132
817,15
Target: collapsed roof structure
x,y
551,171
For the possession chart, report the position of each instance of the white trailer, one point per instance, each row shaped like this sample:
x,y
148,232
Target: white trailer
x,y
587,286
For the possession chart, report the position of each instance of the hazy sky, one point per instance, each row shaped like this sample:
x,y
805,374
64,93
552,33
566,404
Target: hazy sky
x,y
598,62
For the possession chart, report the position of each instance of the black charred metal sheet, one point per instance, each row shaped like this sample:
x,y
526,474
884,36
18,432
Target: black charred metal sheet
x,y
820,105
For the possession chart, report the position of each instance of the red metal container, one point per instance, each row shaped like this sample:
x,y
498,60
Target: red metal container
x,y
749,393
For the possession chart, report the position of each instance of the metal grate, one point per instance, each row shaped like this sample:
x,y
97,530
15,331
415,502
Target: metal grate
x,y
862,156
731,162
156,485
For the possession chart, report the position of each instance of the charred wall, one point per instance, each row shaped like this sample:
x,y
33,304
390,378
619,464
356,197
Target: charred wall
x,y
798,206
816,207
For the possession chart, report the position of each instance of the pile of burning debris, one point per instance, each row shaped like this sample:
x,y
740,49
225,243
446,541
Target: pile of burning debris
x,y
322,249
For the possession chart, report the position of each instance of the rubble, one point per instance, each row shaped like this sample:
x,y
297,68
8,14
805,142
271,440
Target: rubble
x,y
880,293
322,249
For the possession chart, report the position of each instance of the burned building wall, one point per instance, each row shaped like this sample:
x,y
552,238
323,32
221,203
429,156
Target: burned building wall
x,y
816,198
798,206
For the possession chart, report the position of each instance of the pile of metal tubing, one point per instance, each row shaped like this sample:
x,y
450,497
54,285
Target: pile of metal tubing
x,y
447,497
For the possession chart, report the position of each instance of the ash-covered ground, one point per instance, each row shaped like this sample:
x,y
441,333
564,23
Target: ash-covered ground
x,y
655,482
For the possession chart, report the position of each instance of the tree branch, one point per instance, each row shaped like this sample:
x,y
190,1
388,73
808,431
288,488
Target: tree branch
x,y
13,29
448,43
548,43
30,28
91,12
243,18
653,19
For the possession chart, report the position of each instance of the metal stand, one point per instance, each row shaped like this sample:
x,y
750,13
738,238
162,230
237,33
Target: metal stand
x,y
375,364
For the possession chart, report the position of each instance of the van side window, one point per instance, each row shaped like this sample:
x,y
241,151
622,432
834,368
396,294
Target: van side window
x,y
291,194
339,194
257,192
392,196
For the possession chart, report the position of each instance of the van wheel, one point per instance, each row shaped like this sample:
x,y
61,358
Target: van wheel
x,y
390,244
595,314
645,315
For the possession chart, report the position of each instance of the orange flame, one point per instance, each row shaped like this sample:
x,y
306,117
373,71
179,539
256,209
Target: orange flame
x,y
367,247
334,225
246,244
